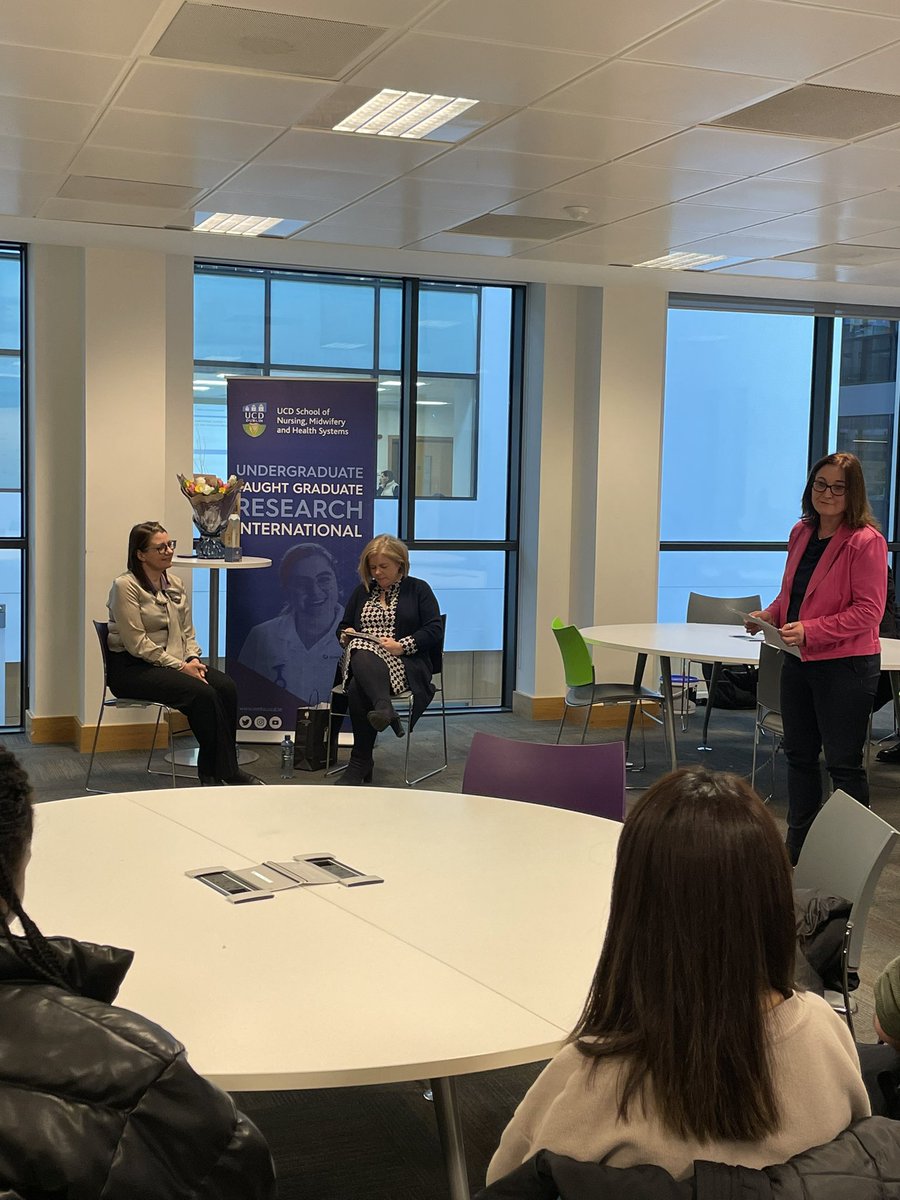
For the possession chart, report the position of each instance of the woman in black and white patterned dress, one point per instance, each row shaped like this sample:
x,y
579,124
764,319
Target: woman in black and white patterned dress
x,y
400,616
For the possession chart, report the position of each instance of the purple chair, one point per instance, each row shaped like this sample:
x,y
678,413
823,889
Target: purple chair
x,y
588,779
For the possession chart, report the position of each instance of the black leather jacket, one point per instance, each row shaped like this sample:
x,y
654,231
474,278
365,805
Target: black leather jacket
x,y
862,1163
96,1101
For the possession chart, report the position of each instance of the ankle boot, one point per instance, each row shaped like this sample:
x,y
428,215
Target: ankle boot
x,y
358,771
382,715
397,726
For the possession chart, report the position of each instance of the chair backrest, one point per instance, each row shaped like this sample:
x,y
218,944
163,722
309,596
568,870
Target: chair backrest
x,y
716,610
768,682
101,628
844,854
437,654
577,662
588,779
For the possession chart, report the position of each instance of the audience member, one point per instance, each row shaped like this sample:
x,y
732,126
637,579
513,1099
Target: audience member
x,y
98,1103
693,1042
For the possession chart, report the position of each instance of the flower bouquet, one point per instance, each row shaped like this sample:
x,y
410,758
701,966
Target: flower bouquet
x,y
213,501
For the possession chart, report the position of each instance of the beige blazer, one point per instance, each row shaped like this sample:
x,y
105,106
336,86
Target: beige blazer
x,y
154,626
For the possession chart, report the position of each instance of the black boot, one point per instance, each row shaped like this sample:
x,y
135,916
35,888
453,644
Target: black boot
x,y
358,771
382,715
210,781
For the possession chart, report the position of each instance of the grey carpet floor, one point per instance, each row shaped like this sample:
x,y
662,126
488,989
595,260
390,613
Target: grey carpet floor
x,y
381,1142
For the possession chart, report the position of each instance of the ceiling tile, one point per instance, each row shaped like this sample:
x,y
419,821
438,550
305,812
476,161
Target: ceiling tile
x,y
884,8
655,92
877,72
18,154
837,254
22,193
95,26
537,131
379,12
820,226
128,191
349,152
50,120
765,37
881,141
861,167
227,140
782,270
220,93
877,206
776,195
341,187
56,75
366,223
498,167
154,168
460,243
884,237
744,243
470,200
604,27
554,201
628,178
731,150
347,233
477,70
259,204
687,220
602,249
60,209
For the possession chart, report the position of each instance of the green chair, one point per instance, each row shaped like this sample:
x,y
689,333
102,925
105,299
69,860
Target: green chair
x,y
583,691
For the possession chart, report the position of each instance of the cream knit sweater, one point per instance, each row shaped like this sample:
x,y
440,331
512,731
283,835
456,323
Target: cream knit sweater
x,y
818,1085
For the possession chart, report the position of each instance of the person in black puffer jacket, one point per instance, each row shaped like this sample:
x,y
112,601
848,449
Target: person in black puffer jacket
x,y
95,1101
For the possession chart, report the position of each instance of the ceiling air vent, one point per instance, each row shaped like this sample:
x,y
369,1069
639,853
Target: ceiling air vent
x,y
537,229
812,110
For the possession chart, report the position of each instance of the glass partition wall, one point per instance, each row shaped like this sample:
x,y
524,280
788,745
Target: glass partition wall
x,y
13,551
447,358
755,395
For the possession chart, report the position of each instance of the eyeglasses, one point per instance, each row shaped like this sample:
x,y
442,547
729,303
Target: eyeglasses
x,y
162,547
836,489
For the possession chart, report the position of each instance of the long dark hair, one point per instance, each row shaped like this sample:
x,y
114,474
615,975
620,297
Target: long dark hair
x,y
857,514
16,827
139,540
701,931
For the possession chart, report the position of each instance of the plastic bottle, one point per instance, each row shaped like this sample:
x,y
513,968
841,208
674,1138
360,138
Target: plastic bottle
x,y
287,757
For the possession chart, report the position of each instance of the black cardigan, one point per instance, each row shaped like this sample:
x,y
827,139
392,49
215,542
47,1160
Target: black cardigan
x,y
418,616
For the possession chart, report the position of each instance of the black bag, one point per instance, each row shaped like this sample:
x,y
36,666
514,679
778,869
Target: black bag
x,y
311,738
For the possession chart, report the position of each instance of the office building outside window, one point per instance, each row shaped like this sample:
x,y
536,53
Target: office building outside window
x,y
13,552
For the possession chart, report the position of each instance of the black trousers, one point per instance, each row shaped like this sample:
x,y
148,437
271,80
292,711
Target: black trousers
x,y
368,686
825,705
211,707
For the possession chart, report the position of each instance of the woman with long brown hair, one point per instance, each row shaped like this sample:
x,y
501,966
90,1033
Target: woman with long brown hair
x,y
830,607
694,1042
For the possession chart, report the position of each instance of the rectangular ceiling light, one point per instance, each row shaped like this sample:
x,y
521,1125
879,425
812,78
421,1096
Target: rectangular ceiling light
x,y
403,114
681,262
242,225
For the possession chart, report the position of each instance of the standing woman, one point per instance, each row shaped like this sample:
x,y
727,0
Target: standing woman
x,y
830,606
400,616
153,654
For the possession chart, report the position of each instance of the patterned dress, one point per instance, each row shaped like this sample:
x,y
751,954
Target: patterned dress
x,y
380,622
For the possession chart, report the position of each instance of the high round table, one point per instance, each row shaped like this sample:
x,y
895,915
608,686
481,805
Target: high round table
x,y
475,953
698,643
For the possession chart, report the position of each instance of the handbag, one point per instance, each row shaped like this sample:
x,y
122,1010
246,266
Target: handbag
x,y
311,737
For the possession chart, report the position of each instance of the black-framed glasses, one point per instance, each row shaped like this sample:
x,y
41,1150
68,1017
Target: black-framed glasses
x,y
836,489
162,547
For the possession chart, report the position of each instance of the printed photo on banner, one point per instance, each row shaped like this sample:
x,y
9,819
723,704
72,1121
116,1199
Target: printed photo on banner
x,y
306,449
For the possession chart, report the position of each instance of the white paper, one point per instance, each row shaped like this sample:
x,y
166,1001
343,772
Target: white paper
x,y
770,633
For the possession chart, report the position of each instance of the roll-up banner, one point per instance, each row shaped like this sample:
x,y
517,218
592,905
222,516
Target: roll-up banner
x,y
306,448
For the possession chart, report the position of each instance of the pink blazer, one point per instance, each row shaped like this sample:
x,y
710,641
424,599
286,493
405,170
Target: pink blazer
x,y
844,603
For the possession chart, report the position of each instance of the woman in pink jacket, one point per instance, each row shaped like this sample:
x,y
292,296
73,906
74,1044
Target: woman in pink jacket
x,y
830,605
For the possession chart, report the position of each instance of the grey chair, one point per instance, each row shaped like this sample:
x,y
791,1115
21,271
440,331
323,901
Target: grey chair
x,y
716,610
768,707
108,700
338,711
844,854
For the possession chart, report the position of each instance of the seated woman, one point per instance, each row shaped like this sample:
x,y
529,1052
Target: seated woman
x,y
400,617
153,654
693,1042
96,1101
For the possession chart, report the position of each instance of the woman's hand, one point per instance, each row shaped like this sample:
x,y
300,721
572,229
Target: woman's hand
x,y
794,633
346,635
392,646
751,626
196,669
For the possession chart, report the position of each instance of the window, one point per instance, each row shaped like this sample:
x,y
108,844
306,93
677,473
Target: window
x,y
456,441
13,671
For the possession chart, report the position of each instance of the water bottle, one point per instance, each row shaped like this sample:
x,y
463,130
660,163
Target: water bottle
x,y
287,757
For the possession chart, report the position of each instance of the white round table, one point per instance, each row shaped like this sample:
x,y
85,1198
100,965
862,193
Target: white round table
x,y
475,953
188,758
698,643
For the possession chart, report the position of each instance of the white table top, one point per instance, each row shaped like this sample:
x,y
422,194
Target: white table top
x,y
475,953
219,564
701,643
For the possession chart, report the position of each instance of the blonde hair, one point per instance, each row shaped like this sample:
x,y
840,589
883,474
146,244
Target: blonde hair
x,y
390,547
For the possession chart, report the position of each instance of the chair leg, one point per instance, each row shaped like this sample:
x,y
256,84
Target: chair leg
x,y
755,744
171,746
845,989
338,767
159,713
562,723
587,721
437,770
87,781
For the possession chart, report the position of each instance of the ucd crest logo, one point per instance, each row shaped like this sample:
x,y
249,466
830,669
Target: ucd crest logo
x,y
255,419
